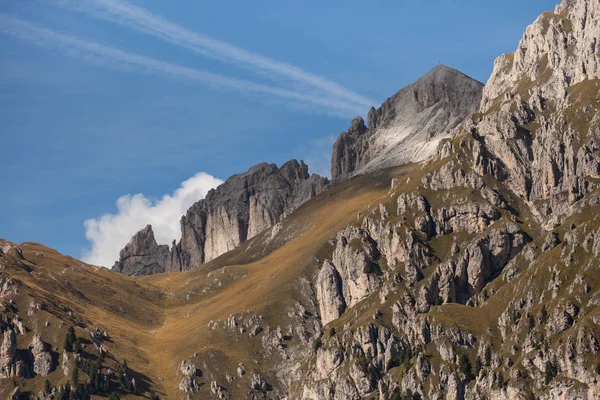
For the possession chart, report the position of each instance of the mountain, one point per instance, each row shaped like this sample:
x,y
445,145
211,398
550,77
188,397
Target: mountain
x,y
408,126
234,212
471,275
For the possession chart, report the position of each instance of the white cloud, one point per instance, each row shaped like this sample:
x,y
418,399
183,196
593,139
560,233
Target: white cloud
x,y
114,58
109,233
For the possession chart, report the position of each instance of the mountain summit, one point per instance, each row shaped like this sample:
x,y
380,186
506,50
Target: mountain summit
x,y
408,126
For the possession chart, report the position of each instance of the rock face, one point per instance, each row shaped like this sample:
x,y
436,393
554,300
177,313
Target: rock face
x,y
65,364
42,359
143,256
460,238
329,293
408,126
188,371
245,205
8,355
236,211
539,114
561,47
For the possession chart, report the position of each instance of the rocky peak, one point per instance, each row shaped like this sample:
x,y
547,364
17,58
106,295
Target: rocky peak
x,y
539,119
357,126
408,126
559,50
141,243
294,172
142,255
239,209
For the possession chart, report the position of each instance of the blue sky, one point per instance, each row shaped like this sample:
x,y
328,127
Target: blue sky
x,y
79,129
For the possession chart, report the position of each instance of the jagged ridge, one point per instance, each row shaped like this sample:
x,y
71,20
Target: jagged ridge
x,y
408,126
239,209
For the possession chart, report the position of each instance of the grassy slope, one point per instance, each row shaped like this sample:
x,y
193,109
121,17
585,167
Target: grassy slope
x,y
159,320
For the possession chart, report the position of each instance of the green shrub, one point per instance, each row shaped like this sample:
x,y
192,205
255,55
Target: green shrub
x,y
75,377
317,345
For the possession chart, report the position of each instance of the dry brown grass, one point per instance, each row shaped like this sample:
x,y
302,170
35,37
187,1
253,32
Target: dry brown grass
x,y
151,320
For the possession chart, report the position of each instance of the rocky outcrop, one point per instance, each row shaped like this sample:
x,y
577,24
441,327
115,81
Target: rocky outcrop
x,y
143,256
8,355
245,205
219,391
236,211
539,123
561,47
65,364
356,257
42,359
329,293
188,371
408,126
472,233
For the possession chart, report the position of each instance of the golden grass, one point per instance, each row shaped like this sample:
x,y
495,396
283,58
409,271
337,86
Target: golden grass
x,y
149,318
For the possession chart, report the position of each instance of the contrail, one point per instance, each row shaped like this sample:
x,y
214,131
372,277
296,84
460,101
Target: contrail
x,y
118,59
124,13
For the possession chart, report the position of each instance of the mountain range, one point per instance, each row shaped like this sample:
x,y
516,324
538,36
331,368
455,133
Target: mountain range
x,y
453,255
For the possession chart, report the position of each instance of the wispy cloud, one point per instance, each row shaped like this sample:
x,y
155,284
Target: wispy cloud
x,y
142,20
118,59
317,154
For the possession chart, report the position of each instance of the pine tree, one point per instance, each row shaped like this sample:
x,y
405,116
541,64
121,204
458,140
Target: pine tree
x,y
70,339
488,356
551,372
47,387
544,314
478,366
499,380
531,321
464,366
65,393
75,377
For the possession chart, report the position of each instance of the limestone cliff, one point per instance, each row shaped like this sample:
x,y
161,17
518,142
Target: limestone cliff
x,y
142,255
408,126
245,205
539,120
471,231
